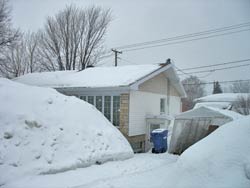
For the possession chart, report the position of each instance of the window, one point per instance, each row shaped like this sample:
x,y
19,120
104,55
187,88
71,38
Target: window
x,y
162,105
116,110
83,98
107,107
98,103
91,100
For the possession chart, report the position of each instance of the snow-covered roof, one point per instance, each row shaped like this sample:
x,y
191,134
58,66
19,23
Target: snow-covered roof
x,y
221,97
97,77
208,112
220,105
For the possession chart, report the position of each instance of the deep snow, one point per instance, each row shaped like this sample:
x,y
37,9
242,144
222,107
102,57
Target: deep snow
x,y
96,173
221,160
45,132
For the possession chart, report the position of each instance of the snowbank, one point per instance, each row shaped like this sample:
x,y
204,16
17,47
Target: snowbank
x,y
43,132
220,160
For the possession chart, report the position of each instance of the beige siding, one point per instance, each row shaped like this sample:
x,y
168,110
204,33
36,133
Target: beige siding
x,y
158,84
173,91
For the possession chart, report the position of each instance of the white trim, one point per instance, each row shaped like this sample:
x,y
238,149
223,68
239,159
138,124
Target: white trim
x,y
111,108
103,104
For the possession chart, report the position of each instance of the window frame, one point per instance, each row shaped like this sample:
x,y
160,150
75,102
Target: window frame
x,y
162,108
102,110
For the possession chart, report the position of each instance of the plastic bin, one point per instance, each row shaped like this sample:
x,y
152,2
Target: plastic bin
x,y
159,139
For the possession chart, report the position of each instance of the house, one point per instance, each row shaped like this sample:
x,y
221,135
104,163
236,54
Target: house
x,y
193,125
135,98
225,101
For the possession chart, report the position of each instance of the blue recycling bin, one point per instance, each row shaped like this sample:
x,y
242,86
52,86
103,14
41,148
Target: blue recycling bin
x,y
159,139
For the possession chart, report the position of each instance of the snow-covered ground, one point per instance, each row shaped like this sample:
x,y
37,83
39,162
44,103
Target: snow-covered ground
x,y
220,160
45,132
97,173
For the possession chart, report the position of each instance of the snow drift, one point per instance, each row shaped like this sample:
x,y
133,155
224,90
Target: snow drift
x,y
222,159
43,132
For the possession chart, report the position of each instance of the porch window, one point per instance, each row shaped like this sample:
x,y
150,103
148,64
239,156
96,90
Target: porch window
x,y
162,105
107,107
91,100
116,110
83,98
98,103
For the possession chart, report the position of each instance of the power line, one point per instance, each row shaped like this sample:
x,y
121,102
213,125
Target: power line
x,y
221,82
219,64
211,31
213,70
184,41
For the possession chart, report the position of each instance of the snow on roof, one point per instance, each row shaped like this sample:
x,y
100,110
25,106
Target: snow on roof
x,y
206,112
220,105
221,97
90,77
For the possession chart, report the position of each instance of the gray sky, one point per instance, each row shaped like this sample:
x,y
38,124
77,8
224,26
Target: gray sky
x,y
144,20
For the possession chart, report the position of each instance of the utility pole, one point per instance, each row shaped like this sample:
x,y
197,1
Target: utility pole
x,y
116,55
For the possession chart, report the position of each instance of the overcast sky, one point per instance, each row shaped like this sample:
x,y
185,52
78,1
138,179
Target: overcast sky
x,y
144,20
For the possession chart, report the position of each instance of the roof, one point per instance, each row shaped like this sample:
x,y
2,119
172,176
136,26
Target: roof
x,y
220,105
99,77
208,112
221,97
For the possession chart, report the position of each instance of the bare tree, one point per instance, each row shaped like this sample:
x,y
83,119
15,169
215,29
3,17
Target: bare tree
x,y
7,33
194,89
13,62
21,57
240,87
73,39
31,41
242,105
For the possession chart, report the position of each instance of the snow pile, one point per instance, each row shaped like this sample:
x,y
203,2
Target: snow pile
x,y
220,160
44,132
90,77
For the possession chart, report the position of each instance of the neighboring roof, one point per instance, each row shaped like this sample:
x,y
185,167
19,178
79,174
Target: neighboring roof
x,y
208,112
221,97
98,77
220,105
